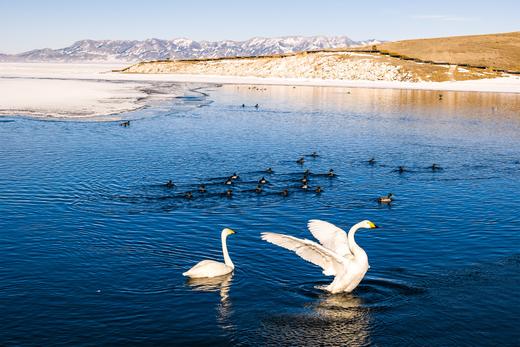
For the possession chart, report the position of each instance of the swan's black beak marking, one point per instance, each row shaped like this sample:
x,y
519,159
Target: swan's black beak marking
x,y
372,225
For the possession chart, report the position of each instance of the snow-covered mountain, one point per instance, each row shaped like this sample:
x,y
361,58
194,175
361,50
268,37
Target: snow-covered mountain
x,y
155,49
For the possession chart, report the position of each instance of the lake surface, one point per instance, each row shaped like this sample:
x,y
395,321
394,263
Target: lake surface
x,y
93,245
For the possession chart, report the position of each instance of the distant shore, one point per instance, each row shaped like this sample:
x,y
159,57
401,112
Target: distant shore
x,y
81,91
338,69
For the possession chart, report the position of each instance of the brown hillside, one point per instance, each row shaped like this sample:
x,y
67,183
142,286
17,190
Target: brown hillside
x,y
500,51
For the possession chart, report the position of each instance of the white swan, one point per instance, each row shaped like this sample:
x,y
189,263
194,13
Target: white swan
x,y
212,268
338,254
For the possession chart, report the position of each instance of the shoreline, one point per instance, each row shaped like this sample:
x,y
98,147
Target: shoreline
x,y
510,84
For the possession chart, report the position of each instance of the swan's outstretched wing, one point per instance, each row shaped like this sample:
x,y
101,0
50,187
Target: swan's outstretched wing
x,y
311,251
330,236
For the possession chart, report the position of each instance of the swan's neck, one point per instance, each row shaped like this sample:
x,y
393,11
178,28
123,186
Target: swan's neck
x,y
354,248
227,259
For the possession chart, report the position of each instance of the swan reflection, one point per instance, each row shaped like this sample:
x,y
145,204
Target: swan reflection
x,y
213,284
220,284
334,320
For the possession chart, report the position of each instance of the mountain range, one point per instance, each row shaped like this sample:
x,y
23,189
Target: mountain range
x,y
180,48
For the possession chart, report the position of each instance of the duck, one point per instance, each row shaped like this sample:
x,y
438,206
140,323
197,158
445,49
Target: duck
x,y
386,199
318,189
314,154
258,189
263,181
125,124
188,195
337,252
202,188
234,176
400,169
229,193
304,186
307,172
304,179
243,105
228,182
256,106
372,161
331,173
213,268
269,170
300,161
284,192
169,184
434,167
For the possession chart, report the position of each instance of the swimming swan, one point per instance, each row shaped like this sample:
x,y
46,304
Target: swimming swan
x,y
212,268
338,254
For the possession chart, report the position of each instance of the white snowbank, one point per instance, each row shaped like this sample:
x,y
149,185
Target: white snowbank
x,y
73,90
326,66
67,98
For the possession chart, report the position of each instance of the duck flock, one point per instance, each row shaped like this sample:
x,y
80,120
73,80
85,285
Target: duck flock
x,y
268,182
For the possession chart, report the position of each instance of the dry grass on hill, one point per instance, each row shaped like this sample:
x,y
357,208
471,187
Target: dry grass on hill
x,y
500,51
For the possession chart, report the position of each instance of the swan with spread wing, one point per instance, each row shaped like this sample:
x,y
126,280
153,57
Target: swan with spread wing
x,y
337,254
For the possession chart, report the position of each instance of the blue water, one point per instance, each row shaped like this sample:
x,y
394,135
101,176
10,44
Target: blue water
x,y
93,245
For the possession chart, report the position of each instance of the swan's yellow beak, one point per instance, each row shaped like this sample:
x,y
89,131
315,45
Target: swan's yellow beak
x,y
231,231
372,225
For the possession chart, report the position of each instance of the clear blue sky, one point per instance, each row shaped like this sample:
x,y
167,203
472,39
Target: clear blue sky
x,y
29,24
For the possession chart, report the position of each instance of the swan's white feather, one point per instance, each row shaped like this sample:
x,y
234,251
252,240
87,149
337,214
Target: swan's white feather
x,y
208,268
331,237
310,251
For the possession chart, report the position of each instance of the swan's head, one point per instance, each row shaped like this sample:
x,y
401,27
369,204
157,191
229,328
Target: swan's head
x,y
367,225
227,232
